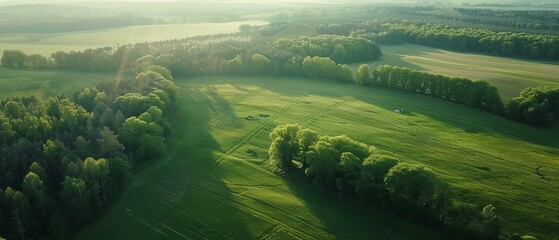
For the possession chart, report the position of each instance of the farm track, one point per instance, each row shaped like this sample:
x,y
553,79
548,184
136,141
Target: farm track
x,y
231,103
320,111
260,214
248,137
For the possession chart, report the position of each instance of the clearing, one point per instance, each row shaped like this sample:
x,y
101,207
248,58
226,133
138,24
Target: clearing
x,y
214,184
509,75
47,83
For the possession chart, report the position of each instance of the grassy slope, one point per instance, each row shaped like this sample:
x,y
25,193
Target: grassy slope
x,y
209,187
510,76
47,83
48,43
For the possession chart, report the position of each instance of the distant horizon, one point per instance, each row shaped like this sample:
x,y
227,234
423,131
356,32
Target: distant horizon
x,y
23,2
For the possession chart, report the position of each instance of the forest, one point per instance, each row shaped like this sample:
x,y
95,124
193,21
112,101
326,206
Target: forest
x,y
65,158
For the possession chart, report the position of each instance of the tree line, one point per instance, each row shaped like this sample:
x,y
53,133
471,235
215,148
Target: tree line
x,y
189,57
477,94
340,49
18,59
64,158
523,19
508,44
535,106
354,169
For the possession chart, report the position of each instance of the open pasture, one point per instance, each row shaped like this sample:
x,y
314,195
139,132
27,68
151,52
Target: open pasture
x,y
210,186
509,75
47,43
47,83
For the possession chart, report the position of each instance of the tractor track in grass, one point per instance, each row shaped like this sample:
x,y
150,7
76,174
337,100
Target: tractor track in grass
x,y
196,220
231,103
323,109
269,120
258,213
248,137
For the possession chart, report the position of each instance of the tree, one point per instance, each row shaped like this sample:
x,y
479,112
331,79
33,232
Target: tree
x,y
345,144
235,65
413,188
108,143
161,70
96,173
34,188
322,163
284,145
363,76
306,139
75,195
374,170
349,168
13,58
260,63
134,128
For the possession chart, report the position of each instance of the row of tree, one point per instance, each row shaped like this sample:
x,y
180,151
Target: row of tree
x,y
529,19
355,169
63,159
478,94
508,44
535,106
340,49
18,59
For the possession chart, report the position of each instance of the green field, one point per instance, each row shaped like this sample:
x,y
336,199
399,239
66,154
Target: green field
x,y
509,75
47,83
209,187
47,43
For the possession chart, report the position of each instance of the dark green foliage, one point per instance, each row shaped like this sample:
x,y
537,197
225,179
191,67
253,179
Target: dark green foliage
x,y
18,59
477,94
353,168
340,49
508,44
285,146
323,67
62,160
535,106
100,59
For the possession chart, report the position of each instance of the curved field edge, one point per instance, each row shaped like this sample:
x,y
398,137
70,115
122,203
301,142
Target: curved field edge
x,y
210,186
509,75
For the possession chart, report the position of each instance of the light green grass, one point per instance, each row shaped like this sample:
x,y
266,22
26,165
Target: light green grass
x,y
47,83
510,76
48,43
209,187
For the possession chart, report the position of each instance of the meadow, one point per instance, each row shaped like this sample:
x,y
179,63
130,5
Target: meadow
x,y
47,43
47,83
210,186
509,75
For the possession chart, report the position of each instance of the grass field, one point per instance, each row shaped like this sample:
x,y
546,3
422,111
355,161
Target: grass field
x,y
48,43
47,83
208,187
509,75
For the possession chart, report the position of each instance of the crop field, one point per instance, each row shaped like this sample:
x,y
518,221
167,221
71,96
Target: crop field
x,y
47,43
210,186
47,83
509,75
